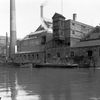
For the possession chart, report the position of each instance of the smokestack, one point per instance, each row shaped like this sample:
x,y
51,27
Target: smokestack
x,y
6,45
12,28
74,16
41,11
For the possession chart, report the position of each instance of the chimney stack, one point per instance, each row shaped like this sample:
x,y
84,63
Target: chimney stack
x,y
12,28
74,16
41,11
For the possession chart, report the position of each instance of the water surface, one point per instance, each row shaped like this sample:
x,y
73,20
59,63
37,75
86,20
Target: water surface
x,y
49,84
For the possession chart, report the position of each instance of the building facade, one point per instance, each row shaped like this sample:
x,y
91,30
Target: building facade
x,y
66,35
68,38
89,48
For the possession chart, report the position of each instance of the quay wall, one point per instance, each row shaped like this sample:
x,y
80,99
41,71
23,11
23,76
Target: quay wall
x,y
84,52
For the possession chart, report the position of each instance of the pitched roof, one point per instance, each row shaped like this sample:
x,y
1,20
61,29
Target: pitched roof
x,y
58,15
44,27
40,28
45,23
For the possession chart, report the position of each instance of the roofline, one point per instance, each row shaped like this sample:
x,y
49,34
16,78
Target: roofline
x,y
79,22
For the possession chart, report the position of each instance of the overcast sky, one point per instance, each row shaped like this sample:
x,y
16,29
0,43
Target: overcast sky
x,y
28,13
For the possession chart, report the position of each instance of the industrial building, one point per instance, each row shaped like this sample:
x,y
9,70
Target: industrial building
x,y
60,39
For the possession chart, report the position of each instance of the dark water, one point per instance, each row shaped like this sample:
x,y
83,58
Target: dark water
x,y
49,84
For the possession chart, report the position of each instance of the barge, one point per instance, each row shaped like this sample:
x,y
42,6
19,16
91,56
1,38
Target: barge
x,y
51,65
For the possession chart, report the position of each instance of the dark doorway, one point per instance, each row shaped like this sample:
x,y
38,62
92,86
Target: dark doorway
x,y
90,53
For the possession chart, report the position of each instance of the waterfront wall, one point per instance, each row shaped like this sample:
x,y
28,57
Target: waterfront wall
x,y
30,57
57,55
84,52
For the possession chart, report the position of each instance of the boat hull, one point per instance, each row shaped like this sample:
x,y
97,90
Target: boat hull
x,y
55,65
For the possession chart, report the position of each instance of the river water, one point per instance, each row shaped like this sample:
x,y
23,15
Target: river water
x,y
49,84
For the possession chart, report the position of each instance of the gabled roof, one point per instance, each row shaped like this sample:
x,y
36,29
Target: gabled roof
x,y
44,27
56,15
40,28
48,24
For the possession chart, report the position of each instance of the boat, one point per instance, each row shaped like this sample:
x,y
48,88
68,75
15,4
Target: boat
x,y
51,65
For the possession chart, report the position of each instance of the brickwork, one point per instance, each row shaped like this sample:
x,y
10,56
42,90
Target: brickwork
x,y
65,41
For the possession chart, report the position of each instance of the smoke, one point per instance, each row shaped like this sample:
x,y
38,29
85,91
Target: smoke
x,y
44,3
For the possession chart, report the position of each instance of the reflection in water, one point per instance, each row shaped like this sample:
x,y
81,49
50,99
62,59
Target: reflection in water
x,y
49,84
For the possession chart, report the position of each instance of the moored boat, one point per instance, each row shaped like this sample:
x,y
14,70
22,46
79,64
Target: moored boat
x,y
51,65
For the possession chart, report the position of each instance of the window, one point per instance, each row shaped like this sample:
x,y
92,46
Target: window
x,y
43,40
37,56
48,55
33,56
72,53
73,32
29,56
62,33
73,24
68,43
58,54
83,26
90,53
24,56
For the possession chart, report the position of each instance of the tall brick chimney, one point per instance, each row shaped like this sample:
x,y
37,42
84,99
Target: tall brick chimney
x,y
12,28
41,11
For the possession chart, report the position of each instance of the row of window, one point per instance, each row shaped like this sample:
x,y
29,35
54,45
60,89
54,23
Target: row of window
x,y
33,56
49,55
82,26
28,56
89,52
59,54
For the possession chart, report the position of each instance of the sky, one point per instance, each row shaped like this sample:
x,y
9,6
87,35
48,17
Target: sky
x,y
28,13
